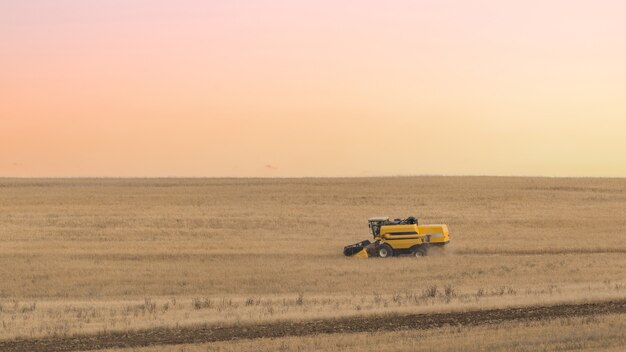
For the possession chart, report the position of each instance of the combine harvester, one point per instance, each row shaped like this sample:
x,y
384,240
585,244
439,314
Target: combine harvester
x,y
398,237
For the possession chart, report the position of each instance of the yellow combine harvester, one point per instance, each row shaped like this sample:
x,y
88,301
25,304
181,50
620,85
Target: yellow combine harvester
x,y
397,237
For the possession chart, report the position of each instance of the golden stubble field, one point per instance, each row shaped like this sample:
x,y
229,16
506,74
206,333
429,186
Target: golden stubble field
x,y
96,255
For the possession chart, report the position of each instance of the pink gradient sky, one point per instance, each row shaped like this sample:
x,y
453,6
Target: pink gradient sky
x,y
316,88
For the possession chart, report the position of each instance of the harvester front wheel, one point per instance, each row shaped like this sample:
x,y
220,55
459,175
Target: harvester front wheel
x,y
385,251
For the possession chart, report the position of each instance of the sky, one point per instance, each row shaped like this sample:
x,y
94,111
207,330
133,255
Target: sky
x,y
191,88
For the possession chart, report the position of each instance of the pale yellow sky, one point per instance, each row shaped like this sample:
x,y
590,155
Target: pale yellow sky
x,y
284,88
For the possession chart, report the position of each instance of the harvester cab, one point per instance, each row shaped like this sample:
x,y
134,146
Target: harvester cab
x,y
398,237
375,225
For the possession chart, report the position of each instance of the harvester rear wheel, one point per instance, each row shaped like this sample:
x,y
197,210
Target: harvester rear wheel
x,y
419,251
385,251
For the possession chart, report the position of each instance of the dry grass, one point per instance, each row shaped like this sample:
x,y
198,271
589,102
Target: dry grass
x,y
96,255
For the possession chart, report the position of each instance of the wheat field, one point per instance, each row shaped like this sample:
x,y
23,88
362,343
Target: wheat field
x,y
95,255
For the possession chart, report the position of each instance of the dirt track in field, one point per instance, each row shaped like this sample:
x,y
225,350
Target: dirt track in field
x,y
203,334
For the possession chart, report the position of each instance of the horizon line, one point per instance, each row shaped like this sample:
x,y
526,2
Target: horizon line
x,y
303,177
